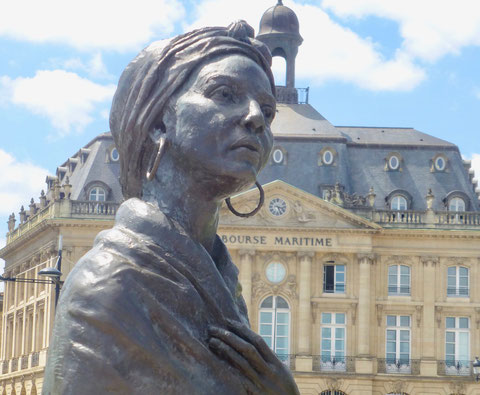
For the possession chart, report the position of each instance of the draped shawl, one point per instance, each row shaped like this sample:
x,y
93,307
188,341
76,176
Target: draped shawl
x,y
134,312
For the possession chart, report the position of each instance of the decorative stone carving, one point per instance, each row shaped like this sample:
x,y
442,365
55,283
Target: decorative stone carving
x,y
379,314
301,213
429,260
338,196
313,310
354,312
418,315
259,287
333,383
438,315
458,260
457,388
396,387
290,287
367,258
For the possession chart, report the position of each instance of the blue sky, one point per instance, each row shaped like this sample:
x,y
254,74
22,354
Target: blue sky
x,y
367,63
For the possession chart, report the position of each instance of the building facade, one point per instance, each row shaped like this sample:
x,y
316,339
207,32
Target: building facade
x,y
360,271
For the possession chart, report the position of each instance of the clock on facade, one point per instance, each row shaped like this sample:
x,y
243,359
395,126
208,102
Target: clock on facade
x,y
277,207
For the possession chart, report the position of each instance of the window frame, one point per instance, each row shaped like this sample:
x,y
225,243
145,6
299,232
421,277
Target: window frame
x,y
337,285
398,283
398,363
398,197
97,188
275,311
458,358
457,288
333,361
456,199
390,166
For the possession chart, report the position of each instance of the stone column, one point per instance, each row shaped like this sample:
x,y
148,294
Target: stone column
x,y
364,362
246,262
304,354
304,303
428,365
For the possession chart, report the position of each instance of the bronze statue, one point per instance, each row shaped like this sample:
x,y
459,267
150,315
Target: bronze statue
x,y
155,307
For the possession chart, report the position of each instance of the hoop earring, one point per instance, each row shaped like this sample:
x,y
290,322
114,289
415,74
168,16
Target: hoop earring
x,y
251,213
153,171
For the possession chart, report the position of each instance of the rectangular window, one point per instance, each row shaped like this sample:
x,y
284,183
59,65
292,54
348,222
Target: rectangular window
x,y
457,345
334,278
398,280
398,344
333,341
457,281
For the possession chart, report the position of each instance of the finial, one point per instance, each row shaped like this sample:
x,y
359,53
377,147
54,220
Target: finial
x,y
279,2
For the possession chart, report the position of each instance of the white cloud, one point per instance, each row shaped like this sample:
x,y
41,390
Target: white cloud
x,y
66,99
94,67
90,24
476,165
20,181
329,50
430,28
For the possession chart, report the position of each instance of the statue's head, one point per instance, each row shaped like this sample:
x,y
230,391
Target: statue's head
x,y
210,95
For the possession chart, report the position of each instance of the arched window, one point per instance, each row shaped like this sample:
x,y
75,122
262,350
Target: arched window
x,y
399,280
97,194
275,325
456,204
457,281
398,202
332,392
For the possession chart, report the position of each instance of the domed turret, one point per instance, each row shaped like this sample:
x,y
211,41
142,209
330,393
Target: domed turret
x,y
280,19
279,30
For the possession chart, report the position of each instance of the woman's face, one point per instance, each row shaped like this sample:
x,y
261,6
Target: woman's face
x,y
222,117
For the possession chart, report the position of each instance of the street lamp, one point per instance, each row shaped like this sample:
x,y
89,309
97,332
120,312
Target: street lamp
x,y
53,274
476,368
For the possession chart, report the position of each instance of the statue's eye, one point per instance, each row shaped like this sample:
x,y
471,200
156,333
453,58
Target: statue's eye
x,y
267,112
223,93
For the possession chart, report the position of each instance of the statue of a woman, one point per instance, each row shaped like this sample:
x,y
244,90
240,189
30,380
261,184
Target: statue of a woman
x,y
155,307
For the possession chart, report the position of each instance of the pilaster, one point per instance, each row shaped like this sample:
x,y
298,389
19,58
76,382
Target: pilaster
x,y
428,365
246,261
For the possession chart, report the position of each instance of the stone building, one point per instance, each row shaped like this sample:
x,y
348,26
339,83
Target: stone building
x,y
359,271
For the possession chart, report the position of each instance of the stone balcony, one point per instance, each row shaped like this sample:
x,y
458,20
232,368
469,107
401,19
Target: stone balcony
x,y
65,209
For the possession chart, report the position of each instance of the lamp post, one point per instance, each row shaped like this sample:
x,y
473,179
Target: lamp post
x,y
476,368
53,273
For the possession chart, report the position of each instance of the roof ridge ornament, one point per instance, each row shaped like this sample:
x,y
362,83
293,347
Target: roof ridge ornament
x,y
279,2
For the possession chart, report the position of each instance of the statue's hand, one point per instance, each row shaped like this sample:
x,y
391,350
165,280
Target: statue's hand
x,y
248,352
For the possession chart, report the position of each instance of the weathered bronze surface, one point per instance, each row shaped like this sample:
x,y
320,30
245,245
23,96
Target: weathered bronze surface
x,y
155,306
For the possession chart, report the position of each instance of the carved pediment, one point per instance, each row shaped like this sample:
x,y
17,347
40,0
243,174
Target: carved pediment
x,y
288,206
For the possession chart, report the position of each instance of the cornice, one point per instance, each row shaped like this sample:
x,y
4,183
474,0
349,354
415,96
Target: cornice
x,y
53,223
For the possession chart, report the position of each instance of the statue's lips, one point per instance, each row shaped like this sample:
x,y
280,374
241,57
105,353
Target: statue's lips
x,y
248,150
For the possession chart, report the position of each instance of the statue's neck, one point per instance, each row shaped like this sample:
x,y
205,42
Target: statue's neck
x,y
182,199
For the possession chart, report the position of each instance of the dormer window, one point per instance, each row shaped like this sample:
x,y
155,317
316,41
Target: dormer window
x,y
327,156
393,162
114,155
439,163
398,202
456,204
97,194
278,156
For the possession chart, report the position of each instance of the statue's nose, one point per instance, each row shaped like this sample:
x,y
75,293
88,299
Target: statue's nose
x,y
254,119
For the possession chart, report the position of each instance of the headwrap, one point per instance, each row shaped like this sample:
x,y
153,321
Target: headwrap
x,y
148,82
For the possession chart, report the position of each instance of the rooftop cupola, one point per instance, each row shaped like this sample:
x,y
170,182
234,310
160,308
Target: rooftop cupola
x,y
279,30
